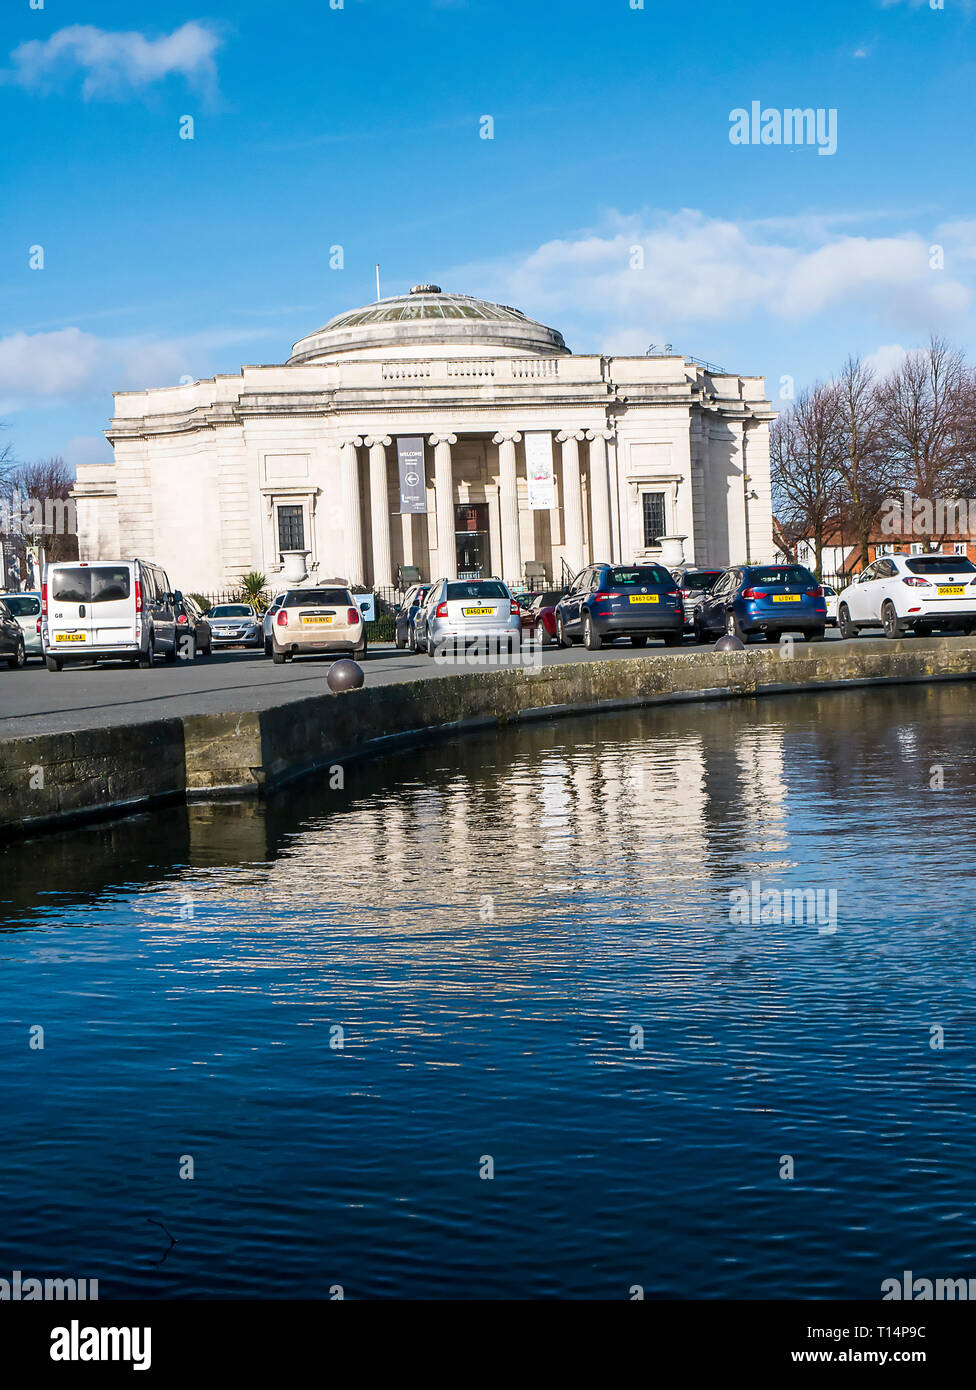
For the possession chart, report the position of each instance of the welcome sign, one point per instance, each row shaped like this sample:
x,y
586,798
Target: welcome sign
x,y
413,487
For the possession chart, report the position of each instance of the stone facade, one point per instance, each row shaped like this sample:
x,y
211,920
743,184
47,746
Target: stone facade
x,y
220,477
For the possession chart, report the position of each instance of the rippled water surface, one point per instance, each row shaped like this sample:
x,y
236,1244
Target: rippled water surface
x,y
496,925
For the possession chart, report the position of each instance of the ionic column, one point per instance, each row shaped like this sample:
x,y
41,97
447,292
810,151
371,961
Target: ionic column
x,y
600,495
572,497
352,521
444,505
508,503
379,506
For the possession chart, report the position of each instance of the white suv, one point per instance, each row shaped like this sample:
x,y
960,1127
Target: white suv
x,y
902,593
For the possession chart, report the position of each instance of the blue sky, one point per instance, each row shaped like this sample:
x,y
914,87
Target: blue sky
x,y
360,127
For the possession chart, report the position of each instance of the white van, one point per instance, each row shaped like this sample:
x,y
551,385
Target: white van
x,y
107,610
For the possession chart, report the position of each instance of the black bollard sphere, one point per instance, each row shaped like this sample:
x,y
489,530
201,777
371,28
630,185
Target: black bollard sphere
x,y
345,674
728,643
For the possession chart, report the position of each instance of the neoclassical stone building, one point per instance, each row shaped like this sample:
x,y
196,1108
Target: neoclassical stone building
x,y
436,433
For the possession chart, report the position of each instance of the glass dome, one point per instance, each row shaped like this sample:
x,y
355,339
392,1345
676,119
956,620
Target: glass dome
x,y
426,320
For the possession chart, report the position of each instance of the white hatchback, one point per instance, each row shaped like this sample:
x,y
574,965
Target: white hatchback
x,y
910,593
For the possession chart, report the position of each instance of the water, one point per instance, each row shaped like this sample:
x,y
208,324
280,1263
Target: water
x,y
488,921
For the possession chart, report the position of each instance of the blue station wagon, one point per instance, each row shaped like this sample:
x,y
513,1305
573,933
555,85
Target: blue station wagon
x,y
763,600
608,601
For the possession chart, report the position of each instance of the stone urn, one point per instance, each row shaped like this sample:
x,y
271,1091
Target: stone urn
x,y
672,550
295,565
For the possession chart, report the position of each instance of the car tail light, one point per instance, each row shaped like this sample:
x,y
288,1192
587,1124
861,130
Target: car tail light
x,y
684,592
755,593
514,610
601,598
38,626
352,616
440,611
138,595
181,618
282,618
917,583
44,598
815,592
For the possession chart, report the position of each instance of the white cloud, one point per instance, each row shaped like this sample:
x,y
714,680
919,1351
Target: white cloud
x,y
115,62
700,268
886,358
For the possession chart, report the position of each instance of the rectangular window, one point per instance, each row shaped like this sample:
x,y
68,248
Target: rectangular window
x,y
959,548
291,528
653,504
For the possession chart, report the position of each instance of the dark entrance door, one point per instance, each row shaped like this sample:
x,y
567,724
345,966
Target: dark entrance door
x,y
471,537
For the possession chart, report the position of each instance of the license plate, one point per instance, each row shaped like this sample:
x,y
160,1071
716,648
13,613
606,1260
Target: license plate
x,y
949,589
478,612
311,621
643,598
70,637
786,598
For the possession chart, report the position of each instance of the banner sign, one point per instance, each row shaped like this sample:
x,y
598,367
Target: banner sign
x,y
413,486
538,470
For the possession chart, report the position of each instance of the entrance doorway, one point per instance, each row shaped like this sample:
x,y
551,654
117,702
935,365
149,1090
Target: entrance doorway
x,y
472,541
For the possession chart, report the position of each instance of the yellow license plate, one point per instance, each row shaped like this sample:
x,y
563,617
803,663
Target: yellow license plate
x,y
786,598
312,621
643,598
951,589
477,612
70,637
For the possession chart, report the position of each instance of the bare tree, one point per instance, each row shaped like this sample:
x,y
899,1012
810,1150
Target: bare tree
x,y
806,445
38,495
864,465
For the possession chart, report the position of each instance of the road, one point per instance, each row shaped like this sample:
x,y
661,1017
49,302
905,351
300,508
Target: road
x,y
35,700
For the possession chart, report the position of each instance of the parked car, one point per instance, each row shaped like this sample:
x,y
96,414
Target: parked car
x,y
404,616
763,600
608,601
235,625
830,594
458,611
311,621
25,608
12,647
267,622
902,593
694,584
107,610
540,615
193,633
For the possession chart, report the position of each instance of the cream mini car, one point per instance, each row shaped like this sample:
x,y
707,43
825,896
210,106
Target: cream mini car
x,y
311,621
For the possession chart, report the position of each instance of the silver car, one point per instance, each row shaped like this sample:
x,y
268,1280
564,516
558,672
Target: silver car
x,y
25,609
694,581
267,622
458,611
235,625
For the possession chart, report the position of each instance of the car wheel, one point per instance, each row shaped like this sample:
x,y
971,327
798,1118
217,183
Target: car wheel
x,y
398,641
279,658
733,628
814,634
53,664
268,647
845,626
147,658
360,652
674,639
19,659
592,640
698,632
638,641
561,637
890,621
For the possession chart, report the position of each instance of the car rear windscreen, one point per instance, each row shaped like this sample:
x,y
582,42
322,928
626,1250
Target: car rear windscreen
x,y
940,564
699,579
23,605
782,574
479,588
639,577
93,584
317,596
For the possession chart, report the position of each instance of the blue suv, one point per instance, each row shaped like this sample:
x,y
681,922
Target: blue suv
x,y
607,601
765,600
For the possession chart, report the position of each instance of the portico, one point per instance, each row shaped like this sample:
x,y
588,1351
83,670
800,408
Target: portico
x,y
535,461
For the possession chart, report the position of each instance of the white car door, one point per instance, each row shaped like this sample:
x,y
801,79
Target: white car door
x,y
862,600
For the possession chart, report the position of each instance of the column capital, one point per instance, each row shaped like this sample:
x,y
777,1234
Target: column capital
x,y
565,435
506,437
373,439
352,442
599,434
436,439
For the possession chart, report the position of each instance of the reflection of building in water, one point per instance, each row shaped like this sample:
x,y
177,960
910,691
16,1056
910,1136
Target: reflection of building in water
x,y
759,752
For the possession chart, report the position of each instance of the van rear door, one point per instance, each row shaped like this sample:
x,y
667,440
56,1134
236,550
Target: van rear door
x,y
113,605
69,607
